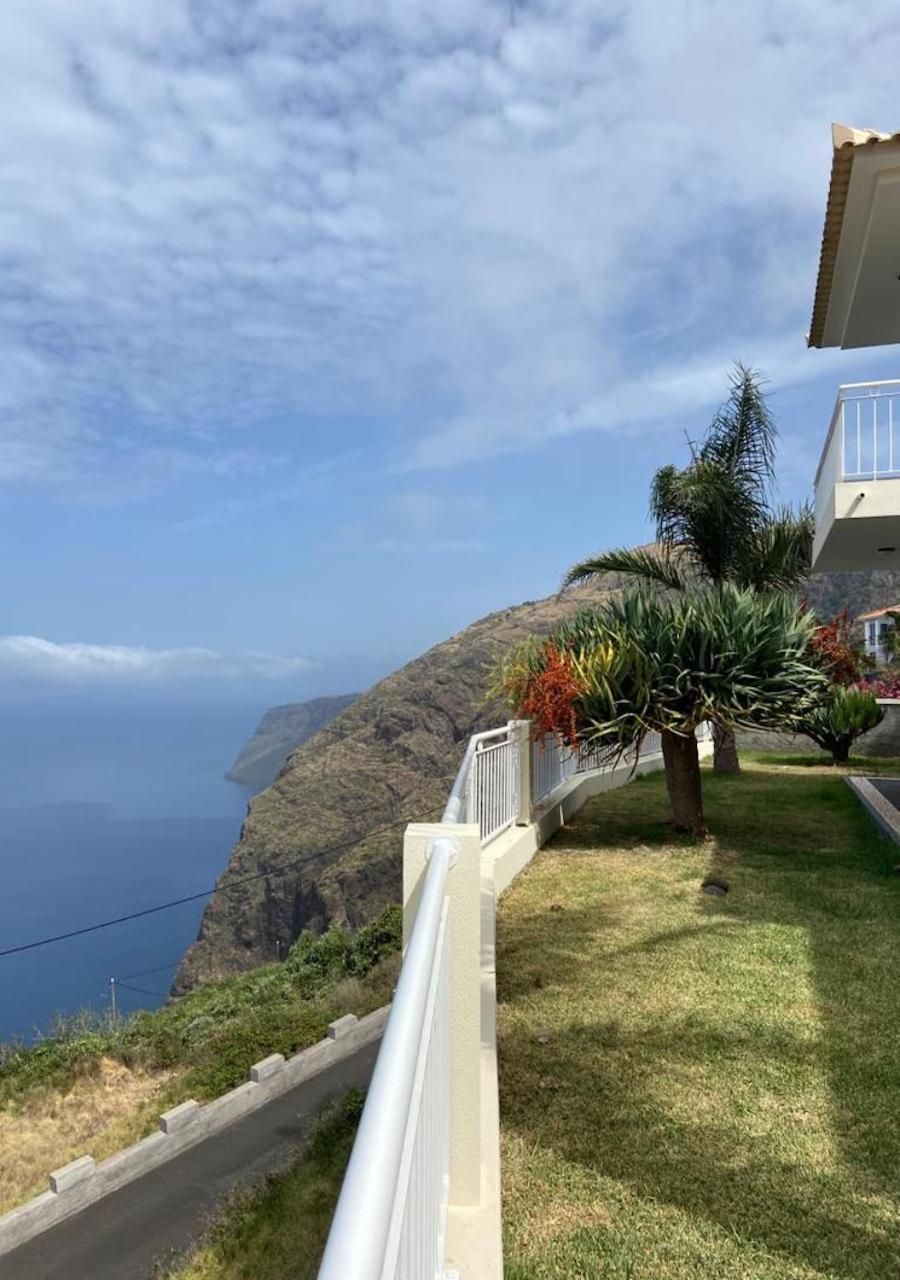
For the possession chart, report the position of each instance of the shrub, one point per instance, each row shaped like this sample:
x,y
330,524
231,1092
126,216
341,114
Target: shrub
x,y
218,1031
889,687
316,962
836,651
843,716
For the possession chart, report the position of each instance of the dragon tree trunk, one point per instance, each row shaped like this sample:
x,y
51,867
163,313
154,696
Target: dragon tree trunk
x,y
725,756
682,764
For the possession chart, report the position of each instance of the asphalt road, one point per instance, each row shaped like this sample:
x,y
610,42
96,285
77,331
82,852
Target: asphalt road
x,y
123,1235
889,788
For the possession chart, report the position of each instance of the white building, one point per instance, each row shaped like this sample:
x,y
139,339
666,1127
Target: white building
x,y
875,626
857,304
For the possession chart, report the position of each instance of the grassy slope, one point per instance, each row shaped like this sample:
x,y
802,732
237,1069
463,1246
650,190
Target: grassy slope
x,y
696,1086
90,1090
278,1231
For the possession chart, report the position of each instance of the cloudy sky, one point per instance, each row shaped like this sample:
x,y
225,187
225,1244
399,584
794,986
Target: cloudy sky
x,y
327,327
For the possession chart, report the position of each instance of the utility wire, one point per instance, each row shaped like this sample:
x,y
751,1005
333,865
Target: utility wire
x,y
143,973
142,991
205,893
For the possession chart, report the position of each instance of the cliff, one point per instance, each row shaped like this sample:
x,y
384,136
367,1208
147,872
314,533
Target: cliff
x,y
281,731
389,759
829,593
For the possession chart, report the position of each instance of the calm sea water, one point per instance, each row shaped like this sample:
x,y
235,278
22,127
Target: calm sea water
x,y
108,807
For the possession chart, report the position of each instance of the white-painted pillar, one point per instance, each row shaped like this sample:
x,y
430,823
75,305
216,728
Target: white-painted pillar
x,y
522,729
464,892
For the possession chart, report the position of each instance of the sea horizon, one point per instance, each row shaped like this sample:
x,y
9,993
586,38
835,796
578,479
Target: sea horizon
x,y
110,804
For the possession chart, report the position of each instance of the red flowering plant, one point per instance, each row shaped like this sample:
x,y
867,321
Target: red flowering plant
x,y
539,679
549,697
836,652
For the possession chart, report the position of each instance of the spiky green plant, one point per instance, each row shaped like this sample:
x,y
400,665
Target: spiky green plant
x,y
647,663
714,519
841,717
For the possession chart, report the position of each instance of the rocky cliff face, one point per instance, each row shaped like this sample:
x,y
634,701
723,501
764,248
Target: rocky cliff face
x,y
387,760
281,731
829,593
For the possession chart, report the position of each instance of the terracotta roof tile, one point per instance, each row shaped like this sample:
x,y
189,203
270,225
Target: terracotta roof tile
x,y
879,613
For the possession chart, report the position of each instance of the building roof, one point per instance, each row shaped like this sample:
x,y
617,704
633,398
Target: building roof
x,y
847,144
878,613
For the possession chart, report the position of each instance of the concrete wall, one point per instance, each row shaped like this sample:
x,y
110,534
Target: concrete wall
x,y
884,740
82,1182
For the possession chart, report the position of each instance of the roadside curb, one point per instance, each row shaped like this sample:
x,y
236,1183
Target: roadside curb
x,y
880,810
82,1182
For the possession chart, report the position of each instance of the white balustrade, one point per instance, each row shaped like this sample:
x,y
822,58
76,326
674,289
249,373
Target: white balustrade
x,y
391,1218
492,785
861,442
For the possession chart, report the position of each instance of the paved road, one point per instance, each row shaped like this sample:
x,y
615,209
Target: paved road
x,y
121,1236
889,788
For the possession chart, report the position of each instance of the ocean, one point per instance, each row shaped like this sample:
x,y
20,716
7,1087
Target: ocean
x,y
109,805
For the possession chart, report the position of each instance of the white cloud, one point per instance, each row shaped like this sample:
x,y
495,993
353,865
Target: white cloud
x,y
481,223
30,658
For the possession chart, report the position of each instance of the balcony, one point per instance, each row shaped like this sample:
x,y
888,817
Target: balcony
x,y
858,481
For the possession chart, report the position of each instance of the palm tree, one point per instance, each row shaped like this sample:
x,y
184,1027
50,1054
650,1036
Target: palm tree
x,y
715,522
644,662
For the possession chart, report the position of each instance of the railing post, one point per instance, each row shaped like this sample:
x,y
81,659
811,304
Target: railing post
x,y
464,892
522,731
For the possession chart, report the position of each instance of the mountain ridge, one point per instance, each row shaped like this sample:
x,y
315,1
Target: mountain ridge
x,y
280,731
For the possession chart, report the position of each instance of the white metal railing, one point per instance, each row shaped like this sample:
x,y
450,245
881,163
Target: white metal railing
x,y
861,443
391,1217
492,783
390,1220
552,764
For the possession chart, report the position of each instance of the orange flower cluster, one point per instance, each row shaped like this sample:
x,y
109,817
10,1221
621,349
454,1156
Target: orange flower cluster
x,y
550,697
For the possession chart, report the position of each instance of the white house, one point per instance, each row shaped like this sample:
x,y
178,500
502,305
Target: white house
x,y
875,626
857,304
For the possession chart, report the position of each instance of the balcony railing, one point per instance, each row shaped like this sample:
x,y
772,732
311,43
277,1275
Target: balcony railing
x,y
391,1219
861,442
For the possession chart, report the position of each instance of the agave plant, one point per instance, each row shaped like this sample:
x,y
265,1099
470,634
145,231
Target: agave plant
x,y
643,663
841,717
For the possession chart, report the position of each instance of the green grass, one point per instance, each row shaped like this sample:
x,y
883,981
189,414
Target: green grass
x,y
882,766
215,1033
705,1087
278,1231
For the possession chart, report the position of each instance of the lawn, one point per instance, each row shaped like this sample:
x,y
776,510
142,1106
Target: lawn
x,y
698,1086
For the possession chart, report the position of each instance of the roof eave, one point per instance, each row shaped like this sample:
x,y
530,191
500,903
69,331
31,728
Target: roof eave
x,y
845,142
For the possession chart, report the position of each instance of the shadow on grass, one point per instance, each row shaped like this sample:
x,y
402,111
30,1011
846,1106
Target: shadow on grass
x,y
798,852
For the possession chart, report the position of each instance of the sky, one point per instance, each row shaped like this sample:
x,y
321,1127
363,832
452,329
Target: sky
x,y
329,327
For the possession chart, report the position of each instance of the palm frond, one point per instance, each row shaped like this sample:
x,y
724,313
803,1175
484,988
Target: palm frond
x,y
707,508
660,569
742,436
778,555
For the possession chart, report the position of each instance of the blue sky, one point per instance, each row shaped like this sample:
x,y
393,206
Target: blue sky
x,y
328,327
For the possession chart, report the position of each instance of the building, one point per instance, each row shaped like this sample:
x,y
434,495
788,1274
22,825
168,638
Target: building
x,y
876,625
857,304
